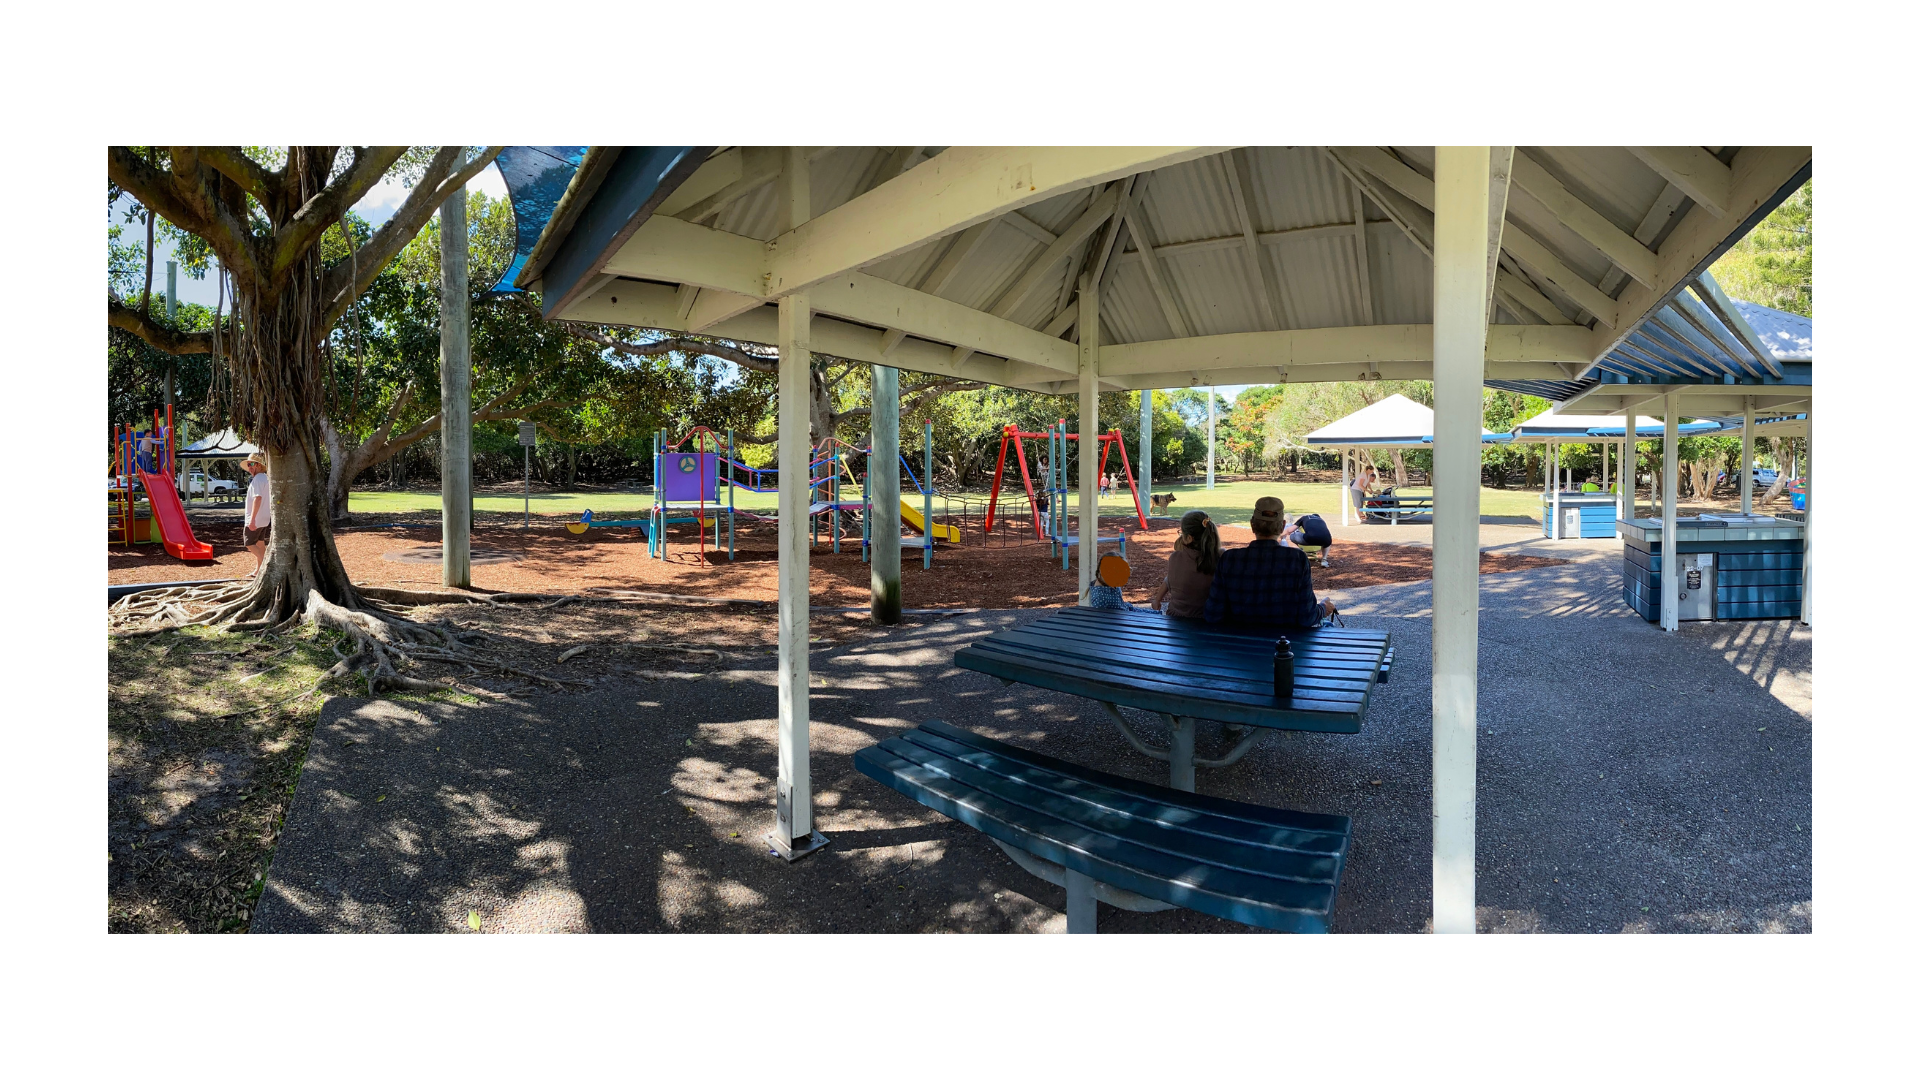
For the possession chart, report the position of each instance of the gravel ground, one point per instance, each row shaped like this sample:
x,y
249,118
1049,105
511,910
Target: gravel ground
x,y
1630,781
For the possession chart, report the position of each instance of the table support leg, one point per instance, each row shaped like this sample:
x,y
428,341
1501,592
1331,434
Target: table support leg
x,y
1083,911
1180,755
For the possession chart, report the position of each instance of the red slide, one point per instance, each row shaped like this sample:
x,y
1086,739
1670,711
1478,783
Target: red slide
x,y
171,517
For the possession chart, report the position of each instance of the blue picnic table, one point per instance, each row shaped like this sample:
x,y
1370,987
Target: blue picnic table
x,y
1107,839
1188,671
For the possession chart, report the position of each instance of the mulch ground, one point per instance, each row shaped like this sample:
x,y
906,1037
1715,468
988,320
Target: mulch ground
x,y
1011,571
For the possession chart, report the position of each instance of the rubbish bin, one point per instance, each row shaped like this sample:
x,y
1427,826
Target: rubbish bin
x,y
1699,590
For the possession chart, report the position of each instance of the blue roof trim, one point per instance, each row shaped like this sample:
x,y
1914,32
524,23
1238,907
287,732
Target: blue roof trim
x,y
536,177
1544,388
1792,373
639,179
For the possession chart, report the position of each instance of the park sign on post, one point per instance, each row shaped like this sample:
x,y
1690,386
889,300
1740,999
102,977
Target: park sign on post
x,y
527,428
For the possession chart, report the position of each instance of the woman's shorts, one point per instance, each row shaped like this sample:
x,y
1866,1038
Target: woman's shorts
x,y
256,536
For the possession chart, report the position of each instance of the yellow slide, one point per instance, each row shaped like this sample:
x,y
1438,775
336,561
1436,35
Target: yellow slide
x,y
949,533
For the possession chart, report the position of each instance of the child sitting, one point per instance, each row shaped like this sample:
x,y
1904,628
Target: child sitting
x,y
1104,591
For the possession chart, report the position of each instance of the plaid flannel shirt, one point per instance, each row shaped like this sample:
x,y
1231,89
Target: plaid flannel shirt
x,y
1265,583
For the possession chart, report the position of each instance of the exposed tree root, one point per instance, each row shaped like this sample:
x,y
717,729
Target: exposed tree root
x,y
382,644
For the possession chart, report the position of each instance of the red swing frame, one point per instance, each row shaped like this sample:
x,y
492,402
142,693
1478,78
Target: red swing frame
x,y
1012,433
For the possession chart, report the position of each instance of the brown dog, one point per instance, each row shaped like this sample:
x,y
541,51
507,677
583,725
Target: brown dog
x,y
1160,501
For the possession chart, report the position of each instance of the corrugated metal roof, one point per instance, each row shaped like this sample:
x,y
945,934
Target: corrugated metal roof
x,y
1301,203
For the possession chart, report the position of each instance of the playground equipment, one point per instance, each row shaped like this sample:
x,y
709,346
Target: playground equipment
x,y
588,521
1061,539
920,520
689,480
149,457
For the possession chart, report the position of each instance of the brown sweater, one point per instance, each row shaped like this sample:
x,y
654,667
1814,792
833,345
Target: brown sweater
x,y
1187,587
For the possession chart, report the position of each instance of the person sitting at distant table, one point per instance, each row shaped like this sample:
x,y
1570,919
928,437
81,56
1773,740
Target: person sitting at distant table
x,y
1266,584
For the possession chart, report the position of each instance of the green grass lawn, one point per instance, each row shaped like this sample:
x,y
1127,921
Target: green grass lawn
x,y
604,504
1231,501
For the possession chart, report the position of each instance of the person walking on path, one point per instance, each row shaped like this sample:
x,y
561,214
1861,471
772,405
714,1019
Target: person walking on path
x,y
259,521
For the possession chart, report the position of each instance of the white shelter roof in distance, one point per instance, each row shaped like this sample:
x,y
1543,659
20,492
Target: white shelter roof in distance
x,y
1554,426
1393,423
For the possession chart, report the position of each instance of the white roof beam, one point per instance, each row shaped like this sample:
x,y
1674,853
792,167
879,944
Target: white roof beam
x,y
1059,247
1358,345
1543,265
1609,239
1722,307
1161,293
941,273
878,302
943,195
1694,171
1499,180
1240,188
1760,173
1363,264
1408,198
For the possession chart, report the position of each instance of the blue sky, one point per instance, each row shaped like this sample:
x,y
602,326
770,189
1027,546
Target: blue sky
x,y
377,207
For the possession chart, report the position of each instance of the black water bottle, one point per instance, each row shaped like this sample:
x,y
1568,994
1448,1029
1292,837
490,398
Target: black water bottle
x,y
1283,669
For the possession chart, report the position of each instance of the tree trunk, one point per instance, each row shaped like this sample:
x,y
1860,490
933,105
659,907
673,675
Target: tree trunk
x,y
1399,469
573,464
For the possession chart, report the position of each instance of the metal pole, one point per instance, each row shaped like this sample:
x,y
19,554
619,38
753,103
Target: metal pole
x,y
926,498
1209,438
1462,190
1145,468
1746,459
456,399
1346,485
883,495
526,486
1669,517
1089,431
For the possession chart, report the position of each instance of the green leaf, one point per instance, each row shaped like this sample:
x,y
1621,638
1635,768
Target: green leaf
x,y
473,920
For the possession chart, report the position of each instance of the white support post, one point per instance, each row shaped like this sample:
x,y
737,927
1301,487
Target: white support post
x,y
1625,473
1746,459
883,496
1553,478
1145,465
1669,517
793,833
1209,438
1089,433
1462,187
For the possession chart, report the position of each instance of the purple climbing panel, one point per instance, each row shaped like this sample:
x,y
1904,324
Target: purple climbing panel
x,y
684,477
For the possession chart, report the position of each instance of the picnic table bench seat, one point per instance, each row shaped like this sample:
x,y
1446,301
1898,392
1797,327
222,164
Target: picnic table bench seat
x,y
1131,844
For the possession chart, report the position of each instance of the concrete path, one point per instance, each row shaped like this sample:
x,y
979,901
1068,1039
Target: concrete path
x,y
1629,781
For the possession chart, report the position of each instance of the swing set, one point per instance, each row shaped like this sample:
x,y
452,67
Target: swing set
x,y
1060,538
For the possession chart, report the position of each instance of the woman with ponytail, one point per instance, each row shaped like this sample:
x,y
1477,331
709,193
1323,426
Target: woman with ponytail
x,y
1190,568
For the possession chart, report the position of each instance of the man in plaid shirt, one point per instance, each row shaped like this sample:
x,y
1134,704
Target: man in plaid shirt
x,y
1266,583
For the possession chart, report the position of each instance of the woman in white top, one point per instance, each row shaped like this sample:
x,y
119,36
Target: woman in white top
x,y
259,520
1363,478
